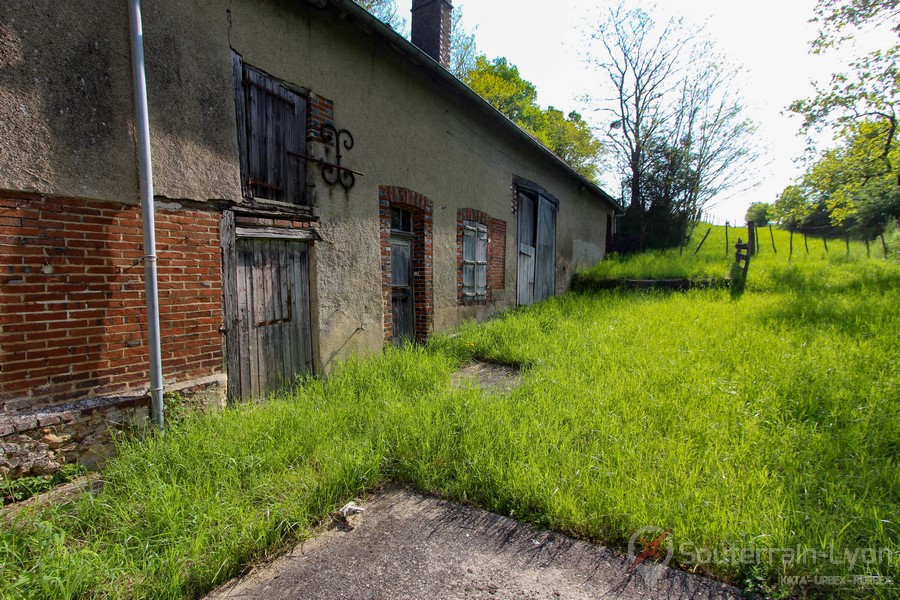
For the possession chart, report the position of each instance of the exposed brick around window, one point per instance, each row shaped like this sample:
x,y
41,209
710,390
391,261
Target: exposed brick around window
x,y
423,284
496,269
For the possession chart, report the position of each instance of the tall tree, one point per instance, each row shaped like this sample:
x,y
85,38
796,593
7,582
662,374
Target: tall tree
x,y
676,129
640,62
791,208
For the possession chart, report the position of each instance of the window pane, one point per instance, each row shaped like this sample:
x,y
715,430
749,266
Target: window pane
x,y
407,221
396,219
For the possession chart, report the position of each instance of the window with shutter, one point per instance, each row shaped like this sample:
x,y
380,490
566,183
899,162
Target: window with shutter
x,y
475,259
271,136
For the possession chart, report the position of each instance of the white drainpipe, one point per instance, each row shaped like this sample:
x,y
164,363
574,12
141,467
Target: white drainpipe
x,y
145,172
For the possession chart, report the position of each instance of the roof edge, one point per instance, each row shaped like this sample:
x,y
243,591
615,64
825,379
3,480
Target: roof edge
x,y
420,58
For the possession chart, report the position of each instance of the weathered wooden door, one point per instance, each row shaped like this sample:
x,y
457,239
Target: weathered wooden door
x,y
274,330
527,250
402,304
536,268
545,260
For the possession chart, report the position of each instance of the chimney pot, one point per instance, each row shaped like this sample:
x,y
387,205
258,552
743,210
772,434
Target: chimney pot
x,y
431,22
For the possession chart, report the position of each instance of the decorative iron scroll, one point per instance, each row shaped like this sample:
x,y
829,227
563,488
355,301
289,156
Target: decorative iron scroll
x,y
335,173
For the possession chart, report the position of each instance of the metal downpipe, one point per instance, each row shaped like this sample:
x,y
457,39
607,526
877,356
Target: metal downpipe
x,y
145,173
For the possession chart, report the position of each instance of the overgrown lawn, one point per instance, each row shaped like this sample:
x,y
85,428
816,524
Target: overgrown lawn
x,y
771,421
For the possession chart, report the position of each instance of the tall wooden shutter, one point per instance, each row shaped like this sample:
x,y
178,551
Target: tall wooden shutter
x,y
271,135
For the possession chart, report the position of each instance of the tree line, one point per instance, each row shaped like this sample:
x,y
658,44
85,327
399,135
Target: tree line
x,y
852,188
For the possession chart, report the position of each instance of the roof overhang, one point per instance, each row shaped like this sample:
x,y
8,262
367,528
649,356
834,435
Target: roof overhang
x,y
372,25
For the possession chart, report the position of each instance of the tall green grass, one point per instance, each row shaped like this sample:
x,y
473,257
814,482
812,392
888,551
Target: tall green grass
x,y
771,421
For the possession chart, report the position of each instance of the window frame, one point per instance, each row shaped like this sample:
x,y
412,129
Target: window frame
x,y
475,260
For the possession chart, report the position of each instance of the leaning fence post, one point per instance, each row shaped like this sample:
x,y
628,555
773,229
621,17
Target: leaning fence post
x,y
772,235
703,240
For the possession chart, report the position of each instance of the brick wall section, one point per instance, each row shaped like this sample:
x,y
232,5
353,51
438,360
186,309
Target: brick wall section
x,y
321,111
496,268
72,322
496,275
423,270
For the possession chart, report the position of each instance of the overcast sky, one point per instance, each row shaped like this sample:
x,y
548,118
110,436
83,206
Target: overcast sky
x,y
770,38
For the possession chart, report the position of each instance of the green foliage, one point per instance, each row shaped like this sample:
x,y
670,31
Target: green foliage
x,y
853,187
16,490
835,16
759,212
498,81
791,208
768,421
570,138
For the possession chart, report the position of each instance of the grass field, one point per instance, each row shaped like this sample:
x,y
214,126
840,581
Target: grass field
x,y
747,425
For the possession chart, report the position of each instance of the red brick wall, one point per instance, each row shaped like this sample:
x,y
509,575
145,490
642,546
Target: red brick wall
x,y
496,268
496,275
72,316
423,270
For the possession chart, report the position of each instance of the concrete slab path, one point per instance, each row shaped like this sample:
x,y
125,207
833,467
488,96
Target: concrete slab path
x,y
409,546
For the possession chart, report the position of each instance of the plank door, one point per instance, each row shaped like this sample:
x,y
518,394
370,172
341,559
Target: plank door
x,y
402,307
545,260
536,267
274,337
527,240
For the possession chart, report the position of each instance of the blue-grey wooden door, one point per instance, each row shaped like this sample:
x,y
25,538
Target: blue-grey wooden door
x,y
402,300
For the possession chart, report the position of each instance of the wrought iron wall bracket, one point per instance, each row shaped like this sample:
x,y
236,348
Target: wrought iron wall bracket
x,y
335,173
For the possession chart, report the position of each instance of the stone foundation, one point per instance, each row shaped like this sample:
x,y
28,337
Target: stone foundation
x,y
40,443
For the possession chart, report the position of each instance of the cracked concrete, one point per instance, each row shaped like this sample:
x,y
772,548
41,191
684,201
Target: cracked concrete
x,y
412,546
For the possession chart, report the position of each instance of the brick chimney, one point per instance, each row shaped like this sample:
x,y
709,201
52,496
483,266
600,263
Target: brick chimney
x,y
431,28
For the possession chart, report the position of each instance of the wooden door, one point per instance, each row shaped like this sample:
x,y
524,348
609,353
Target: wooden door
x,y
274,329
527,241
402,301
536,267
545,259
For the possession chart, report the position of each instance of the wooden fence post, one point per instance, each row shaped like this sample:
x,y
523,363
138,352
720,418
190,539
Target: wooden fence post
x,y
727,248
825,241
772,235
751,237
805,242
791,246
